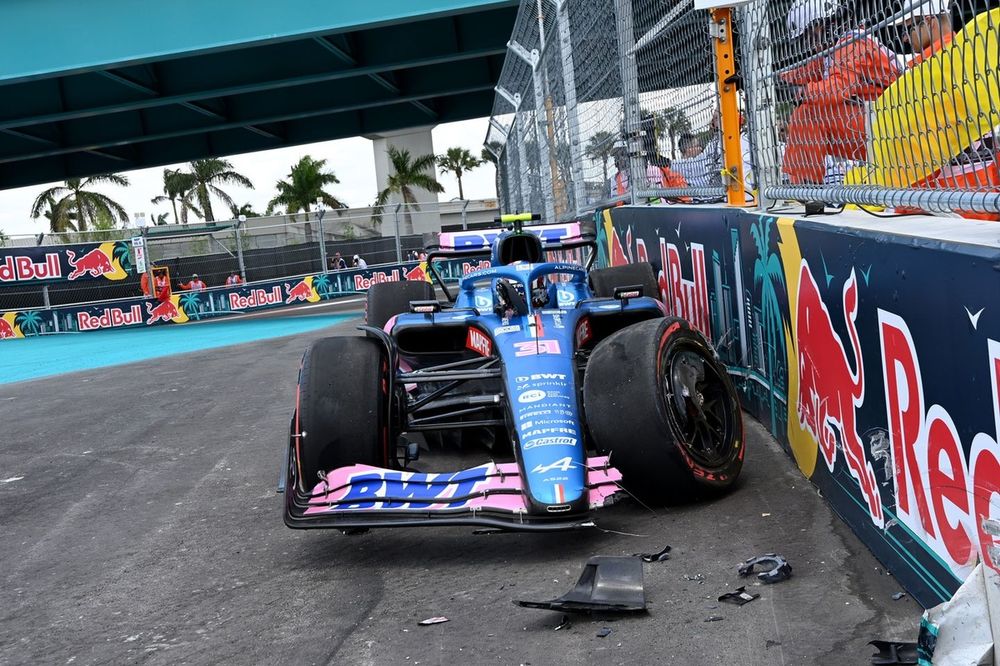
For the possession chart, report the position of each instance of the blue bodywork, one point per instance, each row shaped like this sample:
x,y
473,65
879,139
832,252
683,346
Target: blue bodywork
x,y
538,351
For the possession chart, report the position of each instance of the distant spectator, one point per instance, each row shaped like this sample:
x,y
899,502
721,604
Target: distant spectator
x,y
703,167
196,284
621,183
829,121
690,146
337,262
234,280
359,262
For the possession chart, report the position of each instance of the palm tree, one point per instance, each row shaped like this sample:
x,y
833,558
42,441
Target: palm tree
x,y
599,150
321,283
178,186
3,238
768,273
159,219
408,173
208,175
304,188
74,195
675,123
458,161
245,210
60,215
191,304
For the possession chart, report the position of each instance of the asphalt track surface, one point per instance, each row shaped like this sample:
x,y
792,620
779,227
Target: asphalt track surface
x,y
140,523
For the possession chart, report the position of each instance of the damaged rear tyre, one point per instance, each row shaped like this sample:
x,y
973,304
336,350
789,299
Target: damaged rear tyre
x,y
662,405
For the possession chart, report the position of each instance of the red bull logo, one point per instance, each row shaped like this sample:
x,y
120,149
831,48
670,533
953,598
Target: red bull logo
x,y
6,330
830,391
472,267
362,283
949,501
257,298
165,311
95,263
300,292
109,318
20,268
417,273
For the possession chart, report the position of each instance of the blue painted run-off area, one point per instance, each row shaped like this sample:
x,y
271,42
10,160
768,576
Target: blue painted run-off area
x,y
33,358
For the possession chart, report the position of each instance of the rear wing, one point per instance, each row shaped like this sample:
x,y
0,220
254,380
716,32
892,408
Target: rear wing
x,y
479,243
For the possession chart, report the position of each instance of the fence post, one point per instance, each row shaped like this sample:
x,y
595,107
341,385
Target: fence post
x,y
761,103
399,247
572,112
532,59
320,212
625,30
522,150
721,29
465,221
238,233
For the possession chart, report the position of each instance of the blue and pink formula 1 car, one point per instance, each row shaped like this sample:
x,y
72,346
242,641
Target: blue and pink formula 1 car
x,y
573,383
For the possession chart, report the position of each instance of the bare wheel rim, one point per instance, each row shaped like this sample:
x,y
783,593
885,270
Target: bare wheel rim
x,y
700,406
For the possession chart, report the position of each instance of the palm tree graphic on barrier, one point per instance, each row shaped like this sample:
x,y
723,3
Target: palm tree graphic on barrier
x,y
123,256
29,322
768,273
191,303
321,283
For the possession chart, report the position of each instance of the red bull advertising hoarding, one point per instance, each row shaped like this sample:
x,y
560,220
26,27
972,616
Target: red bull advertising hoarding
x,y
873,357
65,263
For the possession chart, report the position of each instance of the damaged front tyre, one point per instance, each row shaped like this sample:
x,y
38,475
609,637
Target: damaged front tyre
x,y
659,401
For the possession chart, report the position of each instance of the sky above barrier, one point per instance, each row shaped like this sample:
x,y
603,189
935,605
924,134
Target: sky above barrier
x,y
351,160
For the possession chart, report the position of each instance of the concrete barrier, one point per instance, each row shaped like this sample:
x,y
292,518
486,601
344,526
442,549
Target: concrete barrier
x,y
869,348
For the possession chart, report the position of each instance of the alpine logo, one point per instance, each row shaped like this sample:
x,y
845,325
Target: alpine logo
x,y
563,465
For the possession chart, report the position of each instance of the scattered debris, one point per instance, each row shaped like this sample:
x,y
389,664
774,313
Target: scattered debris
x,y
959,630
775,568
604,632
697,578
563,624
765,515
894,652
607,584
768,644
432,620
654,557
898,596
18,478
739,597
713,618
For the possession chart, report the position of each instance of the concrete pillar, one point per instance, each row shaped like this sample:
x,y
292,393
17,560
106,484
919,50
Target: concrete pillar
x,y
418,141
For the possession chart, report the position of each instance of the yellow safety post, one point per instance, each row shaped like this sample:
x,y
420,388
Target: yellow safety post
x,y
729,107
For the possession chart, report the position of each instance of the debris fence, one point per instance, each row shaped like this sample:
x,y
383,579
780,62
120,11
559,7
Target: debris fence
x,y
878,104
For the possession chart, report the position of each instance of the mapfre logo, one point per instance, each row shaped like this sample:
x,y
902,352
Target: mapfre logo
x,y
478,342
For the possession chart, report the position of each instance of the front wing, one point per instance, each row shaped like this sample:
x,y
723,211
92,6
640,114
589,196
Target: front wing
x,y
490,495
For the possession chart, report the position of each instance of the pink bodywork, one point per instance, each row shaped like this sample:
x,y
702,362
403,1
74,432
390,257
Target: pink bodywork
x,y
602,483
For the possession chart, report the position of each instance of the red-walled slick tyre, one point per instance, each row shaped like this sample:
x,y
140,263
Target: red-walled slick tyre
x,y
659,401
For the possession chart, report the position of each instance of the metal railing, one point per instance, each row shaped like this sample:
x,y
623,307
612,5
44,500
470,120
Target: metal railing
x,y
255,249
893,105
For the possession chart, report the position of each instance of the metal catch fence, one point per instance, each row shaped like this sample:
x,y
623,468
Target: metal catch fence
x,y
879,104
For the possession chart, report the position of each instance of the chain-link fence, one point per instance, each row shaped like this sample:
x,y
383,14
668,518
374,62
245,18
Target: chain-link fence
x,y
594,91
880,104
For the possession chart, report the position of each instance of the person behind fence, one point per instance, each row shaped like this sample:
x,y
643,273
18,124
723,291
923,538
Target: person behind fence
x,y
234,280
359,262
195,284
703,166
337,262
927,29
844,69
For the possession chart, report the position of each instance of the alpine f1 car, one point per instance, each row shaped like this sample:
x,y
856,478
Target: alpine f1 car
x,y
576,380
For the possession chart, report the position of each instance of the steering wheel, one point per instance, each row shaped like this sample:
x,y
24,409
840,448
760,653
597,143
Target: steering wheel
x,y
508,298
